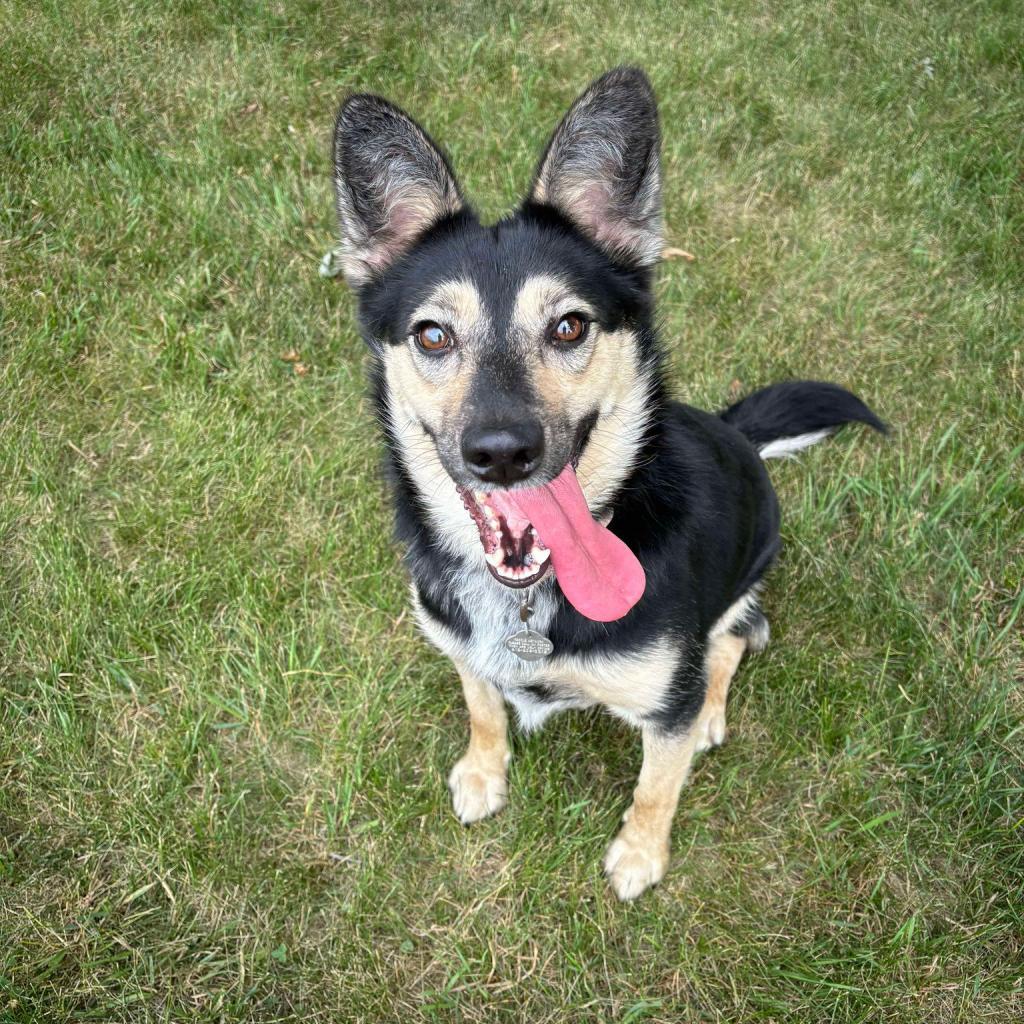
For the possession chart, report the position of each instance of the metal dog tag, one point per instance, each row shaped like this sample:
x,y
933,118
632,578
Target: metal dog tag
x,y
529,645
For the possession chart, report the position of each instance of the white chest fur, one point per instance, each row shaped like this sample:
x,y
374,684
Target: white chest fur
x,y
493,613
630,685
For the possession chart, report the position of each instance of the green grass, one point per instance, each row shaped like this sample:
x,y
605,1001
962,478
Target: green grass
x,y
222,744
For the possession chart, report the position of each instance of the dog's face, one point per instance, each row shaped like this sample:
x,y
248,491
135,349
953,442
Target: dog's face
x,y
507,352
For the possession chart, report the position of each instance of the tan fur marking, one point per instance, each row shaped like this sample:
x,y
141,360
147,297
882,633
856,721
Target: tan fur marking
x,y
478,782
725,652
608,457
628,684
424,393
415,402
428,390
456,303
722,661
540,299
602,375
638,856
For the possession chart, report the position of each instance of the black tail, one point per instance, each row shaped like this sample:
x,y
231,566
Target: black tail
x,y
784,418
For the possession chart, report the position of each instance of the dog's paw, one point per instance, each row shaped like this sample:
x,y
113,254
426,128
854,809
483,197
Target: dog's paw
x,y
711,731
633,867
477,792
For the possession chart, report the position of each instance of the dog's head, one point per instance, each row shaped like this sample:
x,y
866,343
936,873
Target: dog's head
x,y
507,352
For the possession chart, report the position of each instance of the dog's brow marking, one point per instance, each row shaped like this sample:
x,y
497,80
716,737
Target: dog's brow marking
x,y
540,298
458,303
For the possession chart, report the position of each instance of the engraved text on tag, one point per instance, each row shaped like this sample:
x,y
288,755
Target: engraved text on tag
x,y
529,645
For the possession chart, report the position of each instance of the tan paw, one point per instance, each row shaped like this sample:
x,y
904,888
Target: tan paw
x,y
633,867
710,727
477,792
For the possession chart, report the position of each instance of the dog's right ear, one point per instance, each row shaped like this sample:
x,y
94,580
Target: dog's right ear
x,y
391,183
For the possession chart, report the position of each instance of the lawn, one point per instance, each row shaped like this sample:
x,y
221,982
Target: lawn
x,y
223,745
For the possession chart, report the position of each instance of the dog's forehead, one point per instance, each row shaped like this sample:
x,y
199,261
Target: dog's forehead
x,y
504,276
524,303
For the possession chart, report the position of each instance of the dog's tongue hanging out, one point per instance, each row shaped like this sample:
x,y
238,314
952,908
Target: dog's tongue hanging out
x,y
600,577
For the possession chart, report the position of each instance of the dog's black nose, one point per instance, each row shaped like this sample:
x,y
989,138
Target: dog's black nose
x,y
505,454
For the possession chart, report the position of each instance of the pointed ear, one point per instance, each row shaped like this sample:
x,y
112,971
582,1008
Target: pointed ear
x,y
391,183
602,170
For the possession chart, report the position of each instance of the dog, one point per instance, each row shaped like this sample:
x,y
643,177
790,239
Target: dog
x,y
575,537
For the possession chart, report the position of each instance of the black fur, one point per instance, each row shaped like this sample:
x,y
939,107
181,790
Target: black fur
x,y
700,514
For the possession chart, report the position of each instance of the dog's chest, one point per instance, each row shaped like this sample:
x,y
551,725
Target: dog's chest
x,y
630,685
493,614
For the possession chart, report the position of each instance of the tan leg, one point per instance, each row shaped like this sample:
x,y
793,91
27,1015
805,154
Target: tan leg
x,y
479,780
723,658
638,856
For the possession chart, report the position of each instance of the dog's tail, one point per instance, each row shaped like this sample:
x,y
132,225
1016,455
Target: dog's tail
x,y
783,419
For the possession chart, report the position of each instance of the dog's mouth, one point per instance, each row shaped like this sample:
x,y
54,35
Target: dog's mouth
x,y
513,550
525,531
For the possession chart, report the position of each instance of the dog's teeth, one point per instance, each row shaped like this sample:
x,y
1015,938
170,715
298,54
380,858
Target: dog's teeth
x,y
495,557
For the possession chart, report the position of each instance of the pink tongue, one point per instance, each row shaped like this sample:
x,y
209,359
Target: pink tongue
x,y
600,577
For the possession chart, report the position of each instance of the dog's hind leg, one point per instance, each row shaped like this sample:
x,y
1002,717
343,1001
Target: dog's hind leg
x,y
479,780
723,658
730,639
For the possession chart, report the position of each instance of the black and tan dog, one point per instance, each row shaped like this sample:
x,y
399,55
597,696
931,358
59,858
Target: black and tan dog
x,y
574,536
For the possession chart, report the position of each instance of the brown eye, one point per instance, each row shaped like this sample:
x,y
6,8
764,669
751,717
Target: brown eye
x,y
432,338
569,328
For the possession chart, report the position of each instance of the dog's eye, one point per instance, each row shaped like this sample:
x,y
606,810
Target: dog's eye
x,y
569,329
431,337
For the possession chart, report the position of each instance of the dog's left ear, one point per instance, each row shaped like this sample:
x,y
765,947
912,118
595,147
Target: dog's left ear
x,y
602,170
391,183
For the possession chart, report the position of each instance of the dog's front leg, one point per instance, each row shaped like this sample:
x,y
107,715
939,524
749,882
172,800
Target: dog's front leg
x,y
479,780
638,856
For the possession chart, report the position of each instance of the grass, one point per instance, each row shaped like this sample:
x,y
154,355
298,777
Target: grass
x,y
222,744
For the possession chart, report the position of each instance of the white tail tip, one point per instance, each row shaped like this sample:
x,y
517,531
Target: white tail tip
x,y
788,447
